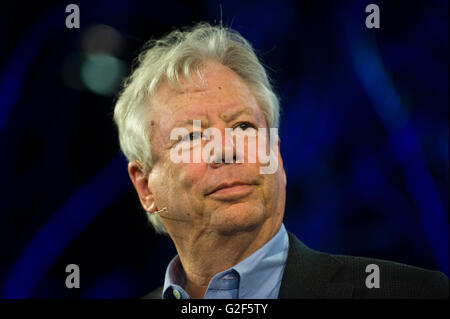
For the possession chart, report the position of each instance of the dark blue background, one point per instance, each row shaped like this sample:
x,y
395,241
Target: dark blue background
x,y
364,131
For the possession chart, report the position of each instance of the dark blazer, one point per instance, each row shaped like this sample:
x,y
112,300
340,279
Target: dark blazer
x,y
312,274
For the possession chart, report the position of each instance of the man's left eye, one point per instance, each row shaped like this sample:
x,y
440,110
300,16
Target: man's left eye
x,y
243,126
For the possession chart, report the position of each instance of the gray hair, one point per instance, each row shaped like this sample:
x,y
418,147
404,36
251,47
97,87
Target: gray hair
x,y
181,53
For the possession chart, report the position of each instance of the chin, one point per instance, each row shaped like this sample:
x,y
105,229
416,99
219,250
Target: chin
x,y
238,218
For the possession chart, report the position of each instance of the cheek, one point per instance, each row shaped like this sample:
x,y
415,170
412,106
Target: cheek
x,y
176,182
273,184
187,176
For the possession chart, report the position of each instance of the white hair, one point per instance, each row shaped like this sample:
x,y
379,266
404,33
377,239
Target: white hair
x,y
181,53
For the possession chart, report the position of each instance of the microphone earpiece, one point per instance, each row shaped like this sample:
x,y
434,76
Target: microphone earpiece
x,y
164,210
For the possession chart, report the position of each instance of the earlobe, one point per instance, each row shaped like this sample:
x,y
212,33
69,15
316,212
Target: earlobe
x,y
151,207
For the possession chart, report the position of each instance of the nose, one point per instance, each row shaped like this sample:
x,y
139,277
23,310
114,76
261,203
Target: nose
x,y
228,153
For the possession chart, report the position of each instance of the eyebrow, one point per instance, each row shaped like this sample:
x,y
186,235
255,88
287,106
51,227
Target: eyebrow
x,y
228,116
235,114
182,123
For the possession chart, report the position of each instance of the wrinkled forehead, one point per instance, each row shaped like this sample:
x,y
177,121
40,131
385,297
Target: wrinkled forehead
x,y
221,94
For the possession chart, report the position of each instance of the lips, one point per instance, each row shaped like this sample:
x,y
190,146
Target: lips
x,y
228,185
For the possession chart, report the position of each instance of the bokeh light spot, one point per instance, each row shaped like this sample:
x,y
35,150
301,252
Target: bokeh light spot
x,y
102,39
102,74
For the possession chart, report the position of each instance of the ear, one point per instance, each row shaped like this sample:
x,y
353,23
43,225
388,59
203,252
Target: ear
x,y
140,182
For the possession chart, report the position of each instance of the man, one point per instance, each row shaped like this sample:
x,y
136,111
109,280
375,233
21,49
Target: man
x,y
223,212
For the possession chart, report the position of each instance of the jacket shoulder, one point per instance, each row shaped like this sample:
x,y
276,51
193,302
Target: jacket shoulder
x,y
395,280
314,274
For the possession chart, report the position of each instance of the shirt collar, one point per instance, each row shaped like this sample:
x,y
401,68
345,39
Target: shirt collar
x,y
175,274
272,255
261,265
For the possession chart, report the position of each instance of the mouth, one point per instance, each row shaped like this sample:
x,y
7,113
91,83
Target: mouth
x,y
231,191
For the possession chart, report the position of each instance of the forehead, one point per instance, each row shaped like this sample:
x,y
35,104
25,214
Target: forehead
x,y
222,94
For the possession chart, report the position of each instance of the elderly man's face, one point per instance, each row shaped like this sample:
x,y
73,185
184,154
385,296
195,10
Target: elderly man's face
x,y
187,189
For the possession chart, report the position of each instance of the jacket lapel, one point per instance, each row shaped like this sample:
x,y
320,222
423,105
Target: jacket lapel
x,y
308,274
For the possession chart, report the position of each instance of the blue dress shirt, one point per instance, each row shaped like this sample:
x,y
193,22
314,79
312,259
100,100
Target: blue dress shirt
x,y
256,277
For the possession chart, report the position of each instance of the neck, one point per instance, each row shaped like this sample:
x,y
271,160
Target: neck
x,y
206,253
